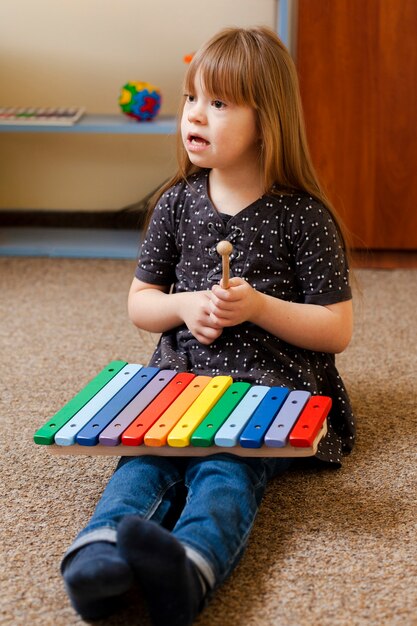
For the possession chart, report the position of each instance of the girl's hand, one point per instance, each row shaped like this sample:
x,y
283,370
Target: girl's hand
x,y
195,311
232,306
153,308
326,328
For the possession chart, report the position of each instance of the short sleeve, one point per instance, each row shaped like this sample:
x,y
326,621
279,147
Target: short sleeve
x,y
320,260
158,255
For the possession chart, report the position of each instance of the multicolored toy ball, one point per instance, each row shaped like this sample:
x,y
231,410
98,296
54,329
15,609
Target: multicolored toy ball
x,y
140,100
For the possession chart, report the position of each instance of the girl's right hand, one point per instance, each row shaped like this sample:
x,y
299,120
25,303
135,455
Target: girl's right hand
x,y
153,308
195,312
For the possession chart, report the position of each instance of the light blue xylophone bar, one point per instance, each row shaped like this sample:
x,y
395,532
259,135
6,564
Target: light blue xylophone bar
x,y
277,434
228,434
66,435
122,401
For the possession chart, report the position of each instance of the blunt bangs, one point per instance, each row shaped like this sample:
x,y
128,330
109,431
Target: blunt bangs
x,y
225,71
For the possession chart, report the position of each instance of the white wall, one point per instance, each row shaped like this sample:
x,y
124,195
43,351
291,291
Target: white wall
x,y
80,52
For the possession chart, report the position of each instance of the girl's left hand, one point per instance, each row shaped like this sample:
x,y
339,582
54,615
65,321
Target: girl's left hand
x,y
235,305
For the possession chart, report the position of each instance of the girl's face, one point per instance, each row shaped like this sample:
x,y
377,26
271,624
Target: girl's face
x,y
217,134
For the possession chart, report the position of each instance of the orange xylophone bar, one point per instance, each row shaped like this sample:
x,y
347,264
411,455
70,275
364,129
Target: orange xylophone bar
x,y
129,410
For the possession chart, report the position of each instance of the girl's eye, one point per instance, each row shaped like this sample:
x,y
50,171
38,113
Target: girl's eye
x,y
218,104
189,97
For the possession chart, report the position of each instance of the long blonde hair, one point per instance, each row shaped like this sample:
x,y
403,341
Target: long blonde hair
x,y
252,67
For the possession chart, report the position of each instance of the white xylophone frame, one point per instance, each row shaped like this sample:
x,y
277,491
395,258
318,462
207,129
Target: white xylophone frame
x,y
187,451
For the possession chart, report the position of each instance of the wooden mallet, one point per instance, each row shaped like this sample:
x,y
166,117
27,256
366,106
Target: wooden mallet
x,y
225,248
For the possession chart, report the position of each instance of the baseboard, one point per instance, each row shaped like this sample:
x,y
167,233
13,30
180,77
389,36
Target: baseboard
x,y
384,259
124,219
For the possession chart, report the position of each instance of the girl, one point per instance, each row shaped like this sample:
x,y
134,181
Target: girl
x,y
177,527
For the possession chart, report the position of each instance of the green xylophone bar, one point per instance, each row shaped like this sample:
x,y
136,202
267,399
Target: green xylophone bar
x,y
46,434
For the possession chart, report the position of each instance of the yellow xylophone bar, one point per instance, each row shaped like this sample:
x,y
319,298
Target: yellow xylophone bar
x,y
131,410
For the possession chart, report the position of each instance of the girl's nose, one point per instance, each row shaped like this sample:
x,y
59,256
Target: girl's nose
x,y
196,114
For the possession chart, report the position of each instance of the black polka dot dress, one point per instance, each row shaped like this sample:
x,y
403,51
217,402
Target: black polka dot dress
x,y
286,246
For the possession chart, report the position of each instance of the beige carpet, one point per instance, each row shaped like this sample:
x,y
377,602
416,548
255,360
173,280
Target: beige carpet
x,y
329,548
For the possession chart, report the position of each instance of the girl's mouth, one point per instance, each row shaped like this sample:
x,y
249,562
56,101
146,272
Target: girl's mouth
x,y
196,141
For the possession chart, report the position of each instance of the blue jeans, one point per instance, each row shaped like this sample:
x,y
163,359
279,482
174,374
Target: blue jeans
x,y
209,504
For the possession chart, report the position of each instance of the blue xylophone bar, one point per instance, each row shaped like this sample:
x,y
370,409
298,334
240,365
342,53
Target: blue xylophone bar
x,y
254,432
123,402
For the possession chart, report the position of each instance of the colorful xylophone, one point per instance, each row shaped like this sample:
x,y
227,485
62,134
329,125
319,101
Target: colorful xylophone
x,y
129,409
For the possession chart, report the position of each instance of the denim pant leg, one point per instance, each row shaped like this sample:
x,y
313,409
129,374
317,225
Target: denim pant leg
x,y
148,486
224,494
